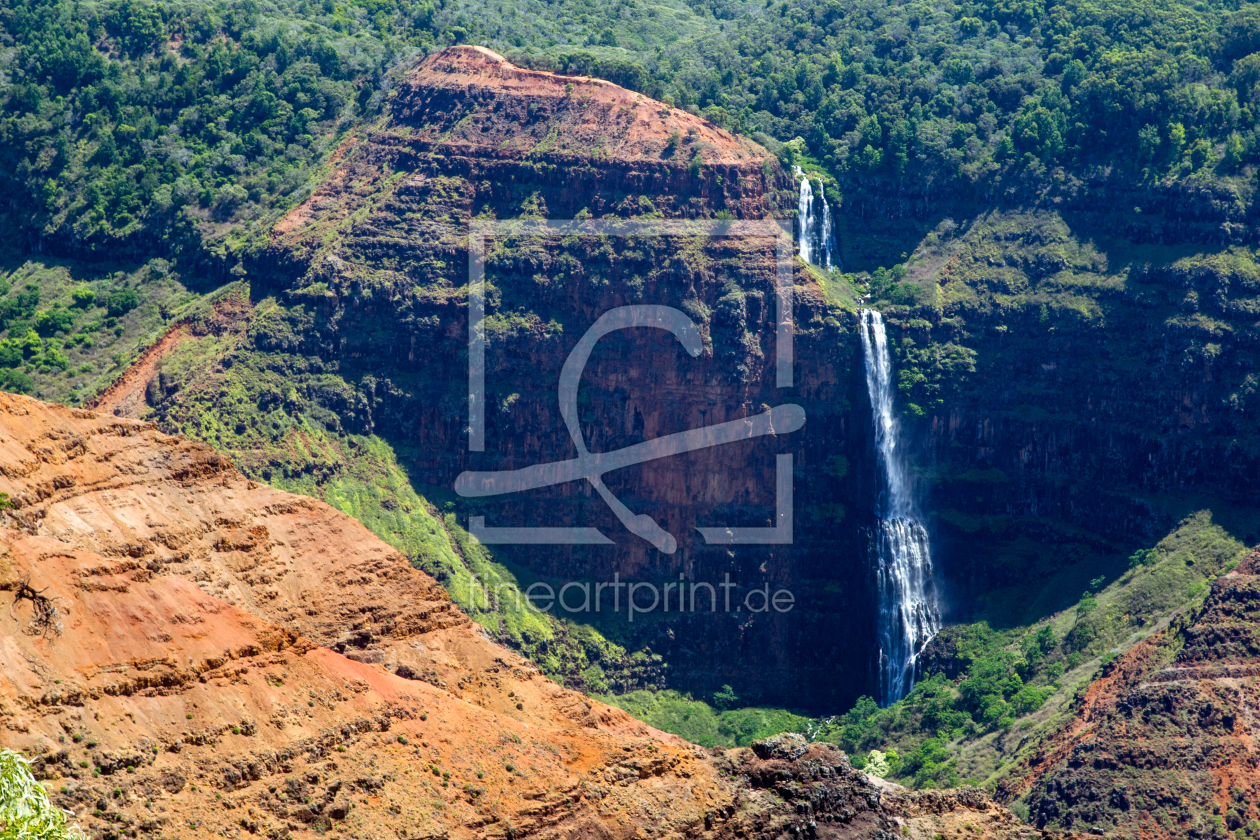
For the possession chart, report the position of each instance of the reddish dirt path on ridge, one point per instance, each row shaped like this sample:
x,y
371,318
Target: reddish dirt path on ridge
x,y
125,397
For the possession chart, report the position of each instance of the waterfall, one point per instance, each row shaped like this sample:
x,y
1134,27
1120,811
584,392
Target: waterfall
x,y
908,614
817,238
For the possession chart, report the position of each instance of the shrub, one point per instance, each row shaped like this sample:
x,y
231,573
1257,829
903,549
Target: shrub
x,y
25,810
10,354
52,321
16,382
672,144
83,297
725,698
121,302
228,199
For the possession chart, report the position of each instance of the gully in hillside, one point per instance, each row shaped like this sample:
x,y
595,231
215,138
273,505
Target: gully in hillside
x,y
908,613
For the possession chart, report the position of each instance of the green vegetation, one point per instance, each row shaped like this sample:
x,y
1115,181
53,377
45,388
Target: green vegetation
x,y
68,329
152,143
991,695
138,128
143,127
25,811
1013,687
1012,296
974,99
703,724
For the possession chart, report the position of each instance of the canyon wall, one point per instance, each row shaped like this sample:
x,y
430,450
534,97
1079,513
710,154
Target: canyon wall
x,y
188,652
360,306
1067,397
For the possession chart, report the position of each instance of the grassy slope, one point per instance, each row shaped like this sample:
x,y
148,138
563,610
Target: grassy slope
x,y
1019,685
64,351
249,409
359,474
701,723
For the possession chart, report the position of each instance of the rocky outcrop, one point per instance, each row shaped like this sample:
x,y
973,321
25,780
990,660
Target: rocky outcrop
x,y
189,651
507,133
1162,744
796,789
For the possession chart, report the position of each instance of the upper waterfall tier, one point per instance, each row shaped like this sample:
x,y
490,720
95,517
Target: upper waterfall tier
x,y
817,238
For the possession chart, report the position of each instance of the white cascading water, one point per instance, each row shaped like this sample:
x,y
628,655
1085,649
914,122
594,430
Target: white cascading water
x,y
908,613
817,239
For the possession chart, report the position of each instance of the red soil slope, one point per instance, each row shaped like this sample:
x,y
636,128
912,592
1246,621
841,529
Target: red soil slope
x,y
220,658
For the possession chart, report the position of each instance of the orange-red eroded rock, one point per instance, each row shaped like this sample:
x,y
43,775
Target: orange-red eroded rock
x,y
192,654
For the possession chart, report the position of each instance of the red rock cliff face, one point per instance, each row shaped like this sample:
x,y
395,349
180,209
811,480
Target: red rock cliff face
x,y
1162,745
190,653
371,274
585,144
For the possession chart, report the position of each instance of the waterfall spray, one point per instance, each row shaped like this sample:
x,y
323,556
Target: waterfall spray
x,y
908,614
817,239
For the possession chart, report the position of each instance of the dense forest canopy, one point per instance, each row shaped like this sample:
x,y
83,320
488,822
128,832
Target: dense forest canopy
x,y
136,124
156,128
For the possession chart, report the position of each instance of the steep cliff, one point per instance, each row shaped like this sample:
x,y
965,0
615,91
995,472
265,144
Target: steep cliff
x,y
1068,398
191,653
349,362
1075,398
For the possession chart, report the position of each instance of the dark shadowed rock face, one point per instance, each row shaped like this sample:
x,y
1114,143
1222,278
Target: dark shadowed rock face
x,y
819,794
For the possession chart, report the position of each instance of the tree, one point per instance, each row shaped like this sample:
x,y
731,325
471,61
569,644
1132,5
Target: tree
x,y
1240,35
1246,78
1039,131
1176,138
121,302
1200,153
16,382
725,698
1232,156
138,26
